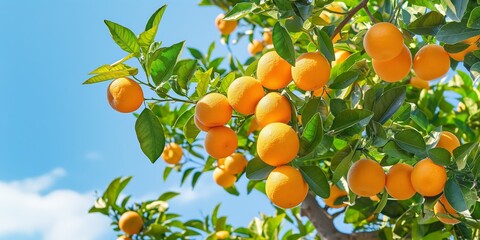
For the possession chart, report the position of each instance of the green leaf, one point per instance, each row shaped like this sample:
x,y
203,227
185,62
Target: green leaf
x,y
150,134
167,196
454,195
124,37
239,11
343,167
102,77
461,154
258,169
325,44
190,130
110,68
475,71
156,17
184,71
166,172
313,106
382,203
312,135
282,42
411,141
195,178
388,104
362,209
440,156
272,225
459,7
148,36
163,62
114,190
393,150
344,80
203,79
349,118
183,118
474,19
316,180
226,81
427,24
455,48
186,173
454,32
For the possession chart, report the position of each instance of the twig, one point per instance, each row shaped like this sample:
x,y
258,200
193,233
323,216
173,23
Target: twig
x,y
349,16
369,14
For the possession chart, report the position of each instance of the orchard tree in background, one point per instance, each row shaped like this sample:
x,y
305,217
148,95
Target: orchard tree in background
x,y
368,108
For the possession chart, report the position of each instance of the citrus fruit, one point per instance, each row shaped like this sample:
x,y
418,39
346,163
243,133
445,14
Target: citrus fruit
x,y
285,187
277,144
419,83
366,178
428,178
213,110
223,178
220,142
395,69
383,41
398,182
273,71
442,206
130,222
244,93
124,95
431,62
172,153
274,107
335,193
225,27
267,37
311,71
255,47
235,163
448,141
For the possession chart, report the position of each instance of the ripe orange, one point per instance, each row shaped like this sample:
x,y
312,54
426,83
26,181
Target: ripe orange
x,y
443,207
335,193
200,125
336,38
285,187
172,154
395,69
383,41
223,178
220,142
460,56
366,178
311,71
431,62
124,95
244,93
428,178
255,47
277,144
274,107
398,182
225,27
273,71
124,238
213,110
320,93
235,163
419,83
130,223
222,234
267,37
448,141
340,56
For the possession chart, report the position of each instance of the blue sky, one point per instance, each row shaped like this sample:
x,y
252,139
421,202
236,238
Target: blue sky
x,y
59,136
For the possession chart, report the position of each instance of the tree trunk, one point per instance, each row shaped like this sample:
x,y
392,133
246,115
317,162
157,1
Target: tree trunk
x,y
323,222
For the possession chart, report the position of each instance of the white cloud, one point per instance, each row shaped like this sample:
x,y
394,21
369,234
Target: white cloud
x,y
93,156
54,215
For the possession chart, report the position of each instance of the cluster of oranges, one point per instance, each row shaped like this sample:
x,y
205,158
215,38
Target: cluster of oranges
x,y
130,223
225,174
254,47
392,60
366,178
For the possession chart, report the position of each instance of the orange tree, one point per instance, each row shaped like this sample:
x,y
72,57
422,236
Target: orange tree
x,y
336,105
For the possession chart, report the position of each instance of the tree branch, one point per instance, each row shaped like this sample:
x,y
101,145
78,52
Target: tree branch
x,y
323,222
349,16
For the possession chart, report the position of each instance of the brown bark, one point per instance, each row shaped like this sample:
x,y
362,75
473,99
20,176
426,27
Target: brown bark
x,y
323,222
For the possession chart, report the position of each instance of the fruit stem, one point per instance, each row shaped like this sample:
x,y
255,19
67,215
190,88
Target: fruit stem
x,y
349,16
369,14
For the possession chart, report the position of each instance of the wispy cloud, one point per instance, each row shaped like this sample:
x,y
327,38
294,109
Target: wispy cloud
x,y
93,156
54,215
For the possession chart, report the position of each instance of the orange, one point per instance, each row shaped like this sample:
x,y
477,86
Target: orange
x,y
124,95
200,125
472,40
255,47
366,178
274,107
340,56
277,144
221,162
448,141
460,56
336,38
311,71
320,93
395,69
225,27
285,187
172,154
375,198
130,223
223,178
213,110
244,93
222,234
220,142
398,182
383,41
253,126
443,207
335,193
428,178
273,71
267,37
235,163
419,83
431,62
